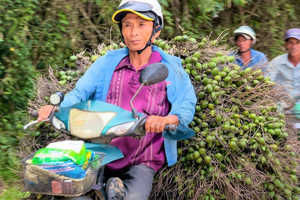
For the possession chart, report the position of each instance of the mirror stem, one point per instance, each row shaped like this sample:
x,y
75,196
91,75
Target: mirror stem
x,y
133,110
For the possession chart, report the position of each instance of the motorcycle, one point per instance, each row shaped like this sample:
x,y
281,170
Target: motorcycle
x,y
290,106
93,120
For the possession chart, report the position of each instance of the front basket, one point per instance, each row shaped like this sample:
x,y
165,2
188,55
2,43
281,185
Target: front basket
x,y
39,180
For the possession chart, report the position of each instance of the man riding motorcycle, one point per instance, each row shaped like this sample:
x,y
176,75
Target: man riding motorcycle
x,y
113,78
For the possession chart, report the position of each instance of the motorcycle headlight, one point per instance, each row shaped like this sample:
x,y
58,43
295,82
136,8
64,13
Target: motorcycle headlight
x,y
88,124
56,123
119,130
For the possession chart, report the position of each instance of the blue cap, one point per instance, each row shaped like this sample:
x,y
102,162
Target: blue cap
x,y
292,33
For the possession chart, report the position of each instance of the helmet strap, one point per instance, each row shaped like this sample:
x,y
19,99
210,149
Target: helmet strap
x,y
154,30
120,27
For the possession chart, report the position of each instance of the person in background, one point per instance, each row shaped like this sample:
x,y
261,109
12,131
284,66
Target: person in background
x,y
114,78
285,69
244,38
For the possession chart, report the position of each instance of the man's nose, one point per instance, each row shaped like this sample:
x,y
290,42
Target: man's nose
x,y
134,31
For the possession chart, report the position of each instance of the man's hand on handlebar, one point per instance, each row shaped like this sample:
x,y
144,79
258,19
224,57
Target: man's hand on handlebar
x,y
45,112
156,124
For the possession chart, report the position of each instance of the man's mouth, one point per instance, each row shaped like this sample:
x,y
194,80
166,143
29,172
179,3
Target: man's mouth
x,y
134,41
294,51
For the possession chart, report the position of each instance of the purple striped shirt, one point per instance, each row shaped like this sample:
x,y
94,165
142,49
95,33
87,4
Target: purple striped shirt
x,y
152,100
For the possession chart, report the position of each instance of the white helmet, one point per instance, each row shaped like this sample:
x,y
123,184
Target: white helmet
x,y
147,9
245,31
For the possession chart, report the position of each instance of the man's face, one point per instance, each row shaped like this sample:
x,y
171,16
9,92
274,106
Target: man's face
x,y
136,31
293,46
243,43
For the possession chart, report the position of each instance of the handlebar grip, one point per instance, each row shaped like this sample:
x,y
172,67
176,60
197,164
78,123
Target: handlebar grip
x,y
30,124
34,114
171,127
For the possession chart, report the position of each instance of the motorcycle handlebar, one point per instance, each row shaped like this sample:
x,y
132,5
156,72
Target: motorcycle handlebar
x,y
34,114
171,127
34,122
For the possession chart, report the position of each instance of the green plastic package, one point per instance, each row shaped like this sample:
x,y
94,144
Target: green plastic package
x,y
60,152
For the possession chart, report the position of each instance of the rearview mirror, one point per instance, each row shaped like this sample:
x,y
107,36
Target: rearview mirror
x,y
150,75
153,74
56,98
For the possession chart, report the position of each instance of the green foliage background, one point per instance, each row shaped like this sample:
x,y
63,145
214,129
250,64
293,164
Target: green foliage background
x,y
37,33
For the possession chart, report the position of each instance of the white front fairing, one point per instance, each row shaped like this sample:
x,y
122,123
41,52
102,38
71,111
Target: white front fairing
x,y
58,124
85,124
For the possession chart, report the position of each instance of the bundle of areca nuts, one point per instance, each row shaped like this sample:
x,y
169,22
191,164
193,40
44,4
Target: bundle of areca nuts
x,y
244,147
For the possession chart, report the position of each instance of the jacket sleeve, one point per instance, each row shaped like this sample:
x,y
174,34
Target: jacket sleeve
x,y
85,86
182,97
271,69
263,61
96,80
264,58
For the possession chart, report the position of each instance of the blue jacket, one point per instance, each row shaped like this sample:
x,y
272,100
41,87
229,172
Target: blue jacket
x,y
94,84
256,58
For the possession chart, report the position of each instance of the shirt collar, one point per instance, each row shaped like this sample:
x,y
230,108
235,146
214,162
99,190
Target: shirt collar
x,y
125,62
239,58
253,60
285,59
